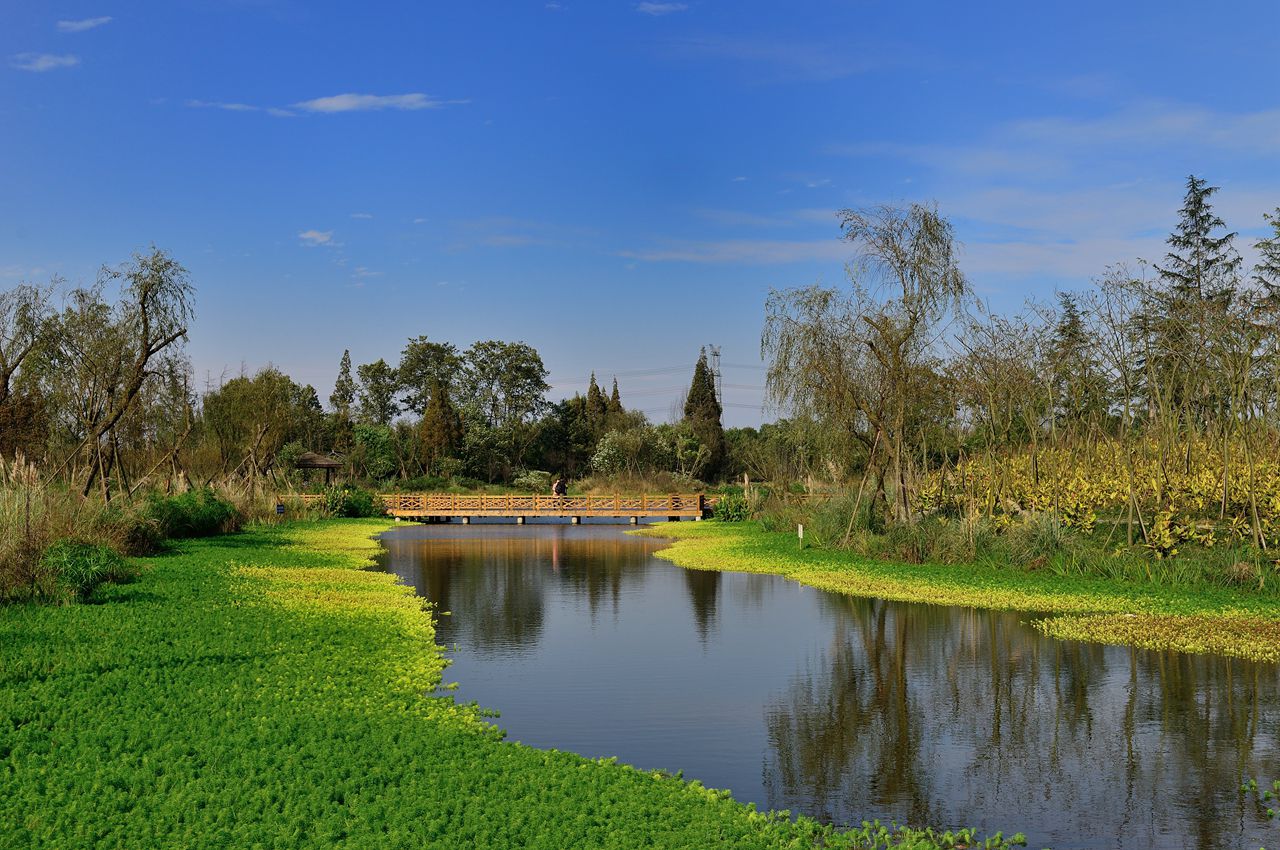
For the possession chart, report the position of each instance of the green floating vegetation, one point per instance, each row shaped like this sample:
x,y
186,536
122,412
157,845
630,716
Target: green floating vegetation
x,y
267,690
1220,620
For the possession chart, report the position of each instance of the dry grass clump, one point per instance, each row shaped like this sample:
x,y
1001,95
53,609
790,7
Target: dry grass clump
x,y
34,516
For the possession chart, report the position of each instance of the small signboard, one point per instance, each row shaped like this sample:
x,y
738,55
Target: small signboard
x,y
279,508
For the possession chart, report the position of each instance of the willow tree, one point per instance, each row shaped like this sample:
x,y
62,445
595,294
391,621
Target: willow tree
x,y
859,361
24,322
102,354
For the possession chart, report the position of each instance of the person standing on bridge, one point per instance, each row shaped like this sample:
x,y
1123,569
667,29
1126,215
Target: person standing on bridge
x,y
560,488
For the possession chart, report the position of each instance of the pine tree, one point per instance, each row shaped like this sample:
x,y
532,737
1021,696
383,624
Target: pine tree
x,y
1201,277
441,429
344,389
1201,266
1078,383
702,412
597,406
615,400
1266,272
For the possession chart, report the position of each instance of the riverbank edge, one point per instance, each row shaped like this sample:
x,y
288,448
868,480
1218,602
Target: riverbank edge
x,y
301,661
1217,621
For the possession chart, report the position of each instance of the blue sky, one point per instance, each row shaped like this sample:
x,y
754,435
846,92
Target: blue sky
x,y
615,183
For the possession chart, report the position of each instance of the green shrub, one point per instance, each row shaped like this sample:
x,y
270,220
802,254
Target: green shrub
x,y
533,481
732,507
140,535
198,513
79,568
352,502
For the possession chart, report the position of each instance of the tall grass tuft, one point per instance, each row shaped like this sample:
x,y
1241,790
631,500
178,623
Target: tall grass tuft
x,y
33,517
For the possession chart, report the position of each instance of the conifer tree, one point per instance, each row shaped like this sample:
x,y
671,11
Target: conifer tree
x,y
615,400
1201,281
702,412
597,406
1266,272
344,389
440,432
1201,266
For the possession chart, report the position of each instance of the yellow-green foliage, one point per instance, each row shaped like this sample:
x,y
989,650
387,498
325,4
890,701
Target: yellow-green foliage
x,y
1202,619
267,690
1184,478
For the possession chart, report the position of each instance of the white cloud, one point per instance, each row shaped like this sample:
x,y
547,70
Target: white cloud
x,y
419,221
240,107
83,24
315,238
657,9
43,61
373,102
363,215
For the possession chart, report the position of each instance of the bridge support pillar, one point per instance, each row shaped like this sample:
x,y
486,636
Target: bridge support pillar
x,y
698,518
673,519
635,520
575,520
519,520
466,520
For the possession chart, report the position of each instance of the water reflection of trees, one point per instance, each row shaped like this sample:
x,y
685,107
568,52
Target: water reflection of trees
x,y
704,587
941,715
496,587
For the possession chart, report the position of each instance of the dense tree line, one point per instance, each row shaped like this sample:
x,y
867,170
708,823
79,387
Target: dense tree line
x,y
905,374
100,393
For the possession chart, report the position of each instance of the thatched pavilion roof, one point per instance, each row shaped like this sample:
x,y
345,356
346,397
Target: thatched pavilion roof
x,y
311,460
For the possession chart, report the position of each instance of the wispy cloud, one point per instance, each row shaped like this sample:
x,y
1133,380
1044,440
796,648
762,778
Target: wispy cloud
x,y
373,102
363,215
658,9
336,103
316,238
83,24
240,107
39,62
1054,146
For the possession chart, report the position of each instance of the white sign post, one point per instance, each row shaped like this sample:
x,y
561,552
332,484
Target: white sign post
x,y
800,534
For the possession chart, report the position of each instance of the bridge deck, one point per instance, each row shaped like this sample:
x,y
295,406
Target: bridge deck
x,y
418,505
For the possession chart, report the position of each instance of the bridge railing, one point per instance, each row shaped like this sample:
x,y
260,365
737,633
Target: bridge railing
x,y
452,503
429,504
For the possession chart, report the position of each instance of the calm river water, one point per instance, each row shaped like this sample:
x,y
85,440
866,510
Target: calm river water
x,y
843,708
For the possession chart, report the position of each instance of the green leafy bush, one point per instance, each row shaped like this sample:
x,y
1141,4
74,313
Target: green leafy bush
x,y
732,507
533,481
79,568
352,502
198,513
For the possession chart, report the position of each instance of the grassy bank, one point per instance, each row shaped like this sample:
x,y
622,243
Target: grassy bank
x,y
265,690
1203,619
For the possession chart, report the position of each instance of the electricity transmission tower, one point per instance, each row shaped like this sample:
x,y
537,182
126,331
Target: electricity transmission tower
x,y
714,350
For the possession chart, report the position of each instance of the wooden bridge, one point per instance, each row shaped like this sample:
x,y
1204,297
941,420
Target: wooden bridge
x,y
431,506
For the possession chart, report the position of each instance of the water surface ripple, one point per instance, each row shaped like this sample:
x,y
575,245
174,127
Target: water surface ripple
x,y
843,708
